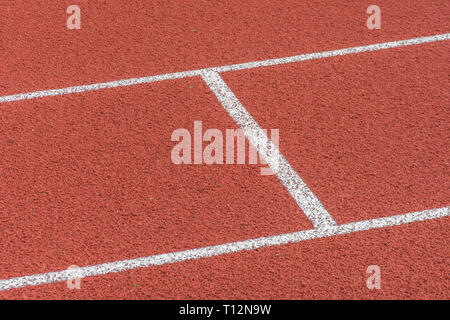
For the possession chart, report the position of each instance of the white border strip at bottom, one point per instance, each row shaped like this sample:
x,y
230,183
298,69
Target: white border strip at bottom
x,y
217,250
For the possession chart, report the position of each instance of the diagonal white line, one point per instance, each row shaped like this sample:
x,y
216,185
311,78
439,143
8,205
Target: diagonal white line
x,y
305,198
206,252
234,67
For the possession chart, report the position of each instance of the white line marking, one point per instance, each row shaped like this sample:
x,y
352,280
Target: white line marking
x,y
251,244
333,53
206,252
305,198
234,67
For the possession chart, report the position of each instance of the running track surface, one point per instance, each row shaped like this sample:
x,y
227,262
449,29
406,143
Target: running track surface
x,y
87,178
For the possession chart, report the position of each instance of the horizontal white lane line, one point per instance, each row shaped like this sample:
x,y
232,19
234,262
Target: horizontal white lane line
x,y
206,252
333,53
234,67
297,188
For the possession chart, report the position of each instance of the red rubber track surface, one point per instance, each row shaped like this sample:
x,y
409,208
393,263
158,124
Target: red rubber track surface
x,y
127,39
369,136
87,178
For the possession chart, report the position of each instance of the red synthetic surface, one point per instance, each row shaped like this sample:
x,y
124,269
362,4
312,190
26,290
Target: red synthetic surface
x,y
87,178
369,136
